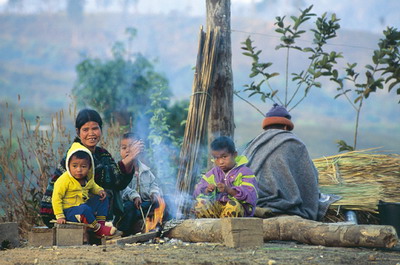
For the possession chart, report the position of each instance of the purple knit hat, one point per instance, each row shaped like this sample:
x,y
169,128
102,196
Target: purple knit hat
x,y
278,115
278,111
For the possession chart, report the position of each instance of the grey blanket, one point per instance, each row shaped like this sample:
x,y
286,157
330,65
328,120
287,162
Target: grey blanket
x,y
287,177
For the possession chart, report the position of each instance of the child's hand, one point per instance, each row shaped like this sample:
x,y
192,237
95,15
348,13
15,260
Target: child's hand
x,y
131,154
61,221
153,197
134,150
224,188
210,188
137,201
102,195
221,187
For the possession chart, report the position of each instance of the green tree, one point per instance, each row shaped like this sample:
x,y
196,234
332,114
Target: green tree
x,y
320,63
119,87
384,70
176,119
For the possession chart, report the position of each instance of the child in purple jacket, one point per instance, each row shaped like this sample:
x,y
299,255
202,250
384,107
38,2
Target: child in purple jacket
x,y
230,188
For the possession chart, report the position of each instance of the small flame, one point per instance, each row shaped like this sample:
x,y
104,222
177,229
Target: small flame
x,y
152,222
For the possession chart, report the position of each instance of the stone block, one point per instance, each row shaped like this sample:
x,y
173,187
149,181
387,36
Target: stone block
x,y
242,232
9,236
41,236
69,235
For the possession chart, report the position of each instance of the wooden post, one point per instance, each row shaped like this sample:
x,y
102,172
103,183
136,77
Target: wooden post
x,y
242,232
196,125
221,112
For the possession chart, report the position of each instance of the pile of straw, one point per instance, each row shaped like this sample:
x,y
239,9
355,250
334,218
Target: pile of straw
x,y
361,177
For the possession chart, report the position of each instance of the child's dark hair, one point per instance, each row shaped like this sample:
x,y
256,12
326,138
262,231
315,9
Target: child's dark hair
x,y
130,135
223,142
82,155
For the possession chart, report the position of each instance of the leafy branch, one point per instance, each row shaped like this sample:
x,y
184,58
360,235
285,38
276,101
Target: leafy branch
x,y
385,70
320,63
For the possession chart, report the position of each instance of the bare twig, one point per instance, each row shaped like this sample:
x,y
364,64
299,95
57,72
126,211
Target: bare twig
x,y
248,102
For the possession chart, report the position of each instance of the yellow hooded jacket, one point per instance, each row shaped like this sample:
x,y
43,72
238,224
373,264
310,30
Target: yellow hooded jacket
x,y
67,190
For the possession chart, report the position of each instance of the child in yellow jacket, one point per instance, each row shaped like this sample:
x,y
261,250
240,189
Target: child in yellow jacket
x,y
76,197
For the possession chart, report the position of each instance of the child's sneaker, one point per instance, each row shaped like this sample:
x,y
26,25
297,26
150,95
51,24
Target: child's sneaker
x,y
104,230
108,223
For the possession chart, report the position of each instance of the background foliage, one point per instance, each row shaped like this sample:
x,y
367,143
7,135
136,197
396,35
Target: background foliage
x,y
384,71
119,87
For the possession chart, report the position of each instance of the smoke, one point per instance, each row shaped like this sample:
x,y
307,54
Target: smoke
x,y
165,156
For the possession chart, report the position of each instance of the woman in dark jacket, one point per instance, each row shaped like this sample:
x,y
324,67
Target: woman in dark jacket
x,y
110,175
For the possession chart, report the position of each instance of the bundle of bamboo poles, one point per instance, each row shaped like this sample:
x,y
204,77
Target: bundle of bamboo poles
x,y
198,113
361,177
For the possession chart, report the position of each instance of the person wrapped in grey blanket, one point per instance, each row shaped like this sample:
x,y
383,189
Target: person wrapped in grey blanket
x,y
287,177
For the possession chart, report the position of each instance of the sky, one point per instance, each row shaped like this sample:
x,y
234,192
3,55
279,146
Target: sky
x,y
363,15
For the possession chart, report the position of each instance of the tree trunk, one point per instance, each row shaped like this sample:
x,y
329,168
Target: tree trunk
x,y
198,230
294,228
221,113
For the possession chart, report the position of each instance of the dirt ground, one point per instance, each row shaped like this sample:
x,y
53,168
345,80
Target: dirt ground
x,y
178,252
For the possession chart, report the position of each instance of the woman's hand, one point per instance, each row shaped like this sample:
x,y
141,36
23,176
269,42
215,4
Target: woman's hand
x,y
61,221
102,195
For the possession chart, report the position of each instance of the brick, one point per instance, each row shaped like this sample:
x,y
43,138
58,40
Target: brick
x,y
41,236
242,232
9,233
69,235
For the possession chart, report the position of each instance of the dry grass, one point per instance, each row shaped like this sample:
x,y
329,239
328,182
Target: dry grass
x,y
28,157
337,214
362,177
